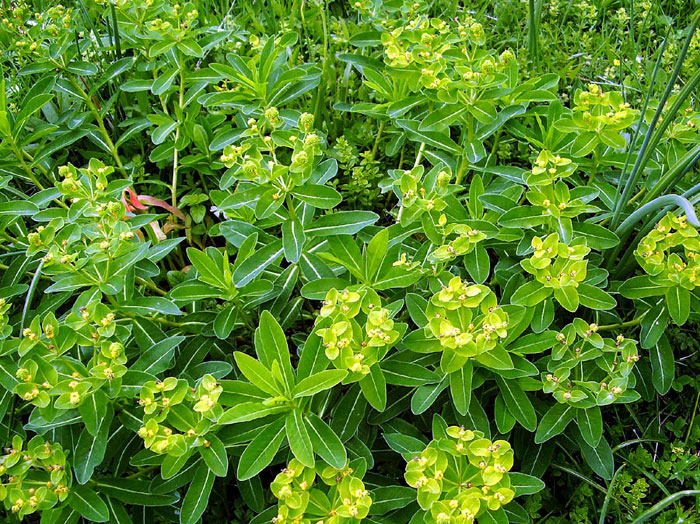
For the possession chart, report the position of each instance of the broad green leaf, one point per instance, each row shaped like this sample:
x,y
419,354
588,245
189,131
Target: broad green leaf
x,y
214,454
197,497
298,438
318,195
274,347
595,298
374,254
640,287
325,442
374,387
597,237
89,504
341,223
261,450
461,388
318,382
599,458
662,365
133,491
530,294
293,239
257,263
654,324
478,264
590,424
678,302
554,422
568,297
226,320
518,403
525,484
257,373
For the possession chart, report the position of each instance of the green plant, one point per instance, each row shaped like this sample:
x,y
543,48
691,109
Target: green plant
x,y
322,236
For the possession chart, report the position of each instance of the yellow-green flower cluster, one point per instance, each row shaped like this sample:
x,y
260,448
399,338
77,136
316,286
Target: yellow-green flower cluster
x,y
555,202
587,370
549,168
421,193
600,111
44,374
467,321
349,344
33,479
201,404
671,253
339,498
467,238
555,264
461,476
271,152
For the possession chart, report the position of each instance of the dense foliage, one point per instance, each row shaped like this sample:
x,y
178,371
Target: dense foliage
x,y
329,262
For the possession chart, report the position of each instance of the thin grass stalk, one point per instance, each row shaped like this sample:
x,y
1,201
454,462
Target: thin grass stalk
x,y
638,167
633,141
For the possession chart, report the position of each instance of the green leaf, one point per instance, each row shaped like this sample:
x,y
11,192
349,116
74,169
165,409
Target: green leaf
x,y
525,484
207,269
654,324
133,491
197,497
430,138
341,223
374,254
461,388
374,387
568,297
261,450
554,422
158,358
214,455
518,403
326,443
530,294
523,217
640,287
273,347
225,321
597,237
247,411
400,373
595,298
678,302
388,498
81,68
89,451
298,438
318,195
590,424
293,239
318,382
257,373
93,410
18,208
663,365
252,266
88,503
584,144
599,458
478,264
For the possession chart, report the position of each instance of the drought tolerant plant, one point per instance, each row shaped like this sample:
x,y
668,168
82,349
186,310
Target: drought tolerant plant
x,y
342,262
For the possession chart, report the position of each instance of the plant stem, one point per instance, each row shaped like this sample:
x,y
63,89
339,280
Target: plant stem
x,y
622,325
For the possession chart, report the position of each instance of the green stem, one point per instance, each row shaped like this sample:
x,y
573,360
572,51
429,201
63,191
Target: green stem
x,y
622,325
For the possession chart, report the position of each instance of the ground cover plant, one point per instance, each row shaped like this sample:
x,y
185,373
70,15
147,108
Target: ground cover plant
x,y
329,262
